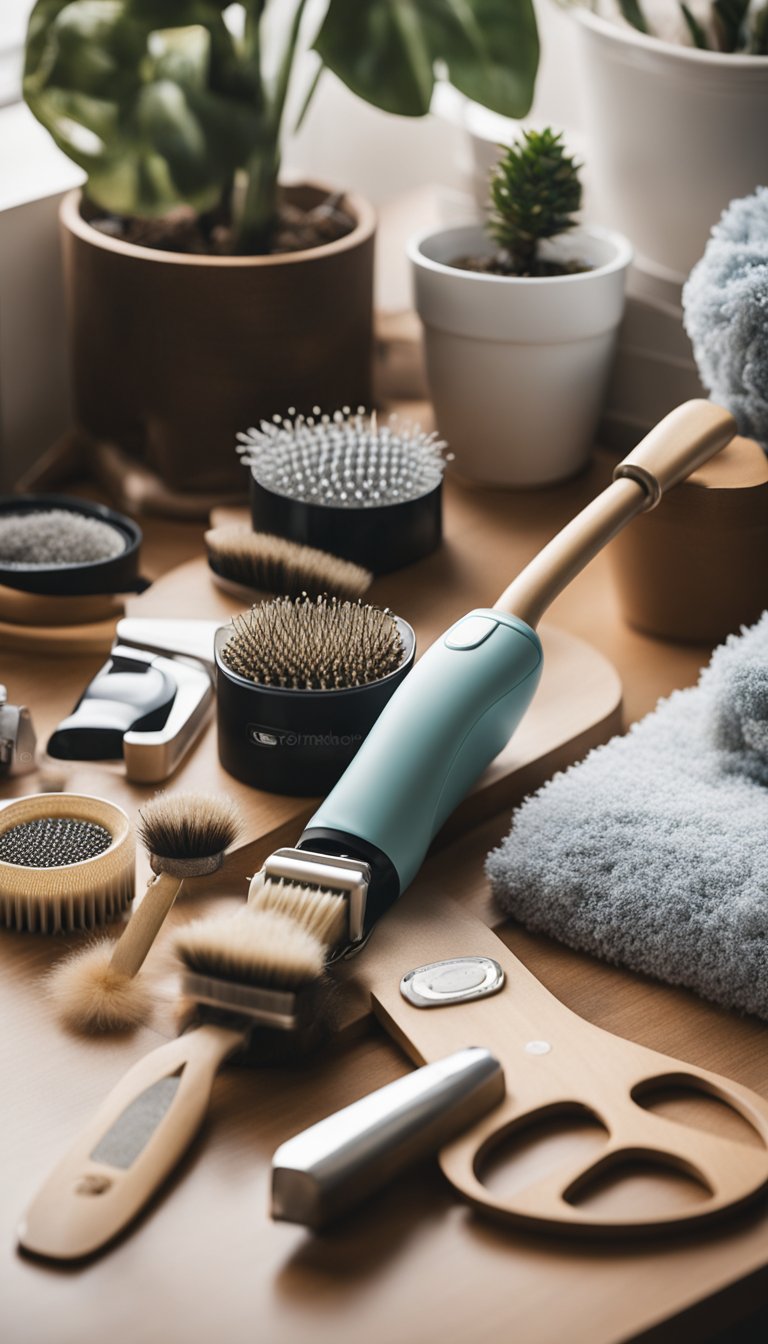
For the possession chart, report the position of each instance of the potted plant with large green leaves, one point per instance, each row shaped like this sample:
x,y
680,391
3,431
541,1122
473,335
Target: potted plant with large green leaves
x,y
203,296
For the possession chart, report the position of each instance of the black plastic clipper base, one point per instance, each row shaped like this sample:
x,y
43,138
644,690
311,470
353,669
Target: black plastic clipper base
x,y
381,539
291,741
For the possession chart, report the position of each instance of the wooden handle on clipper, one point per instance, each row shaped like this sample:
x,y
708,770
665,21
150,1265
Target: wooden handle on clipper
x,y
145,923
128,1148
680,443
683,441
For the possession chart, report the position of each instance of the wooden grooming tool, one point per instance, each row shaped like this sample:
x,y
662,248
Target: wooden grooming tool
x,y
186,835
66,863
243,562
556,1064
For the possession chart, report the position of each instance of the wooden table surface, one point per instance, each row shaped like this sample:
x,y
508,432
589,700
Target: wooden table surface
x,y
414,1264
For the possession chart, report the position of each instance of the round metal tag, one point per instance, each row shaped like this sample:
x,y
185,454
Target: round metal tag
x,y
453,981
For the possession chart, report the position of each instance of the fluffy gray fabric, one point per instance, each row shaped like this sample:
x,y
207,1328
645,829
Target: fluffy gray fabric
x,y
725,303
653,852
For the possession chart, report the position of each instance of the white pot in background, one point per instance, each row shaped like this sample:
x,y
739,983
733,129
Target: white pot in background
x,y
517,368
675,134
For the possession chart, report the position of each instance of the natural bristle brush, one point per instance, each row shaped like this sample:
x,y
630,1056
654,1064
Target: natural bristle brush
x,y
366,489
299,684
99,988
66,863
363,847
243,562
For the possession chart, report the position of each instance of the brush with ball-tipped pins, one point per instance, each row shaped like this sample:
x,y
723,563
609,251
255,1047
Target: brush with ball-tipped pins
x,y
99,988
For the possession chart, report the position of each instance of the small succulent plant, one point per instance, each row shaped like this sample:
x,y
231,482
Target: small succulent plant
x,y
535,194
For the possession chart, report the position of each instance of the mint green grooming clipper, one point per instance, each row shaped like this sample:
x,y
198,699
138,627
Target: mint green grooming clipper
x,y
464,699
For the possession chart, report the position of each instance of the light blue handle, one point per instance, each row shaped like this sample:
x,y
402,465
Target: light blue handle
x,y
445,723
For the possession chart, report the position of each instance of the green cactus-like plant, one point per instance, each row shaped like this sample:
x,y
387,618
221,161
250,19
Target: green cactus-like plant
x,y
174,102
535,194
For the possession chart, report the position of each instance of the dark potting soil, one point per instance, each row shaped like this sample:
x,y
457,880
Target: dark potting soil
x,y
182,230
498,265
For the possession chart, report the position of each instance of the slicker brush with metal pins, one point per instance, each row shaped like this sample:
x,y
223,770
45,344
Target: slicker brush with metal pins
x,y
66,863
366,489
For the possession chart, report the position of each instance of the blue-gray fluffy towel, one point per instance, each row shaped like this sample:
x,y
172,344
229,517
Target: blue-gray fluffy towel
x,y
725,302
652,853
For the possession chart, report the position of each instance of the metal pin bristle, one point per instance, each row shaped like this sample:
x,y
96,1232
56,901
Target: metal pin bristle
x,y
345,460
321,644
53,842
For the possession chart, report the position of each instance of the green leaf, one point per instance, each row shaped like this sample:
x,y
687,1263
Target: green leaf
x,y
632,12
389,52
148,96
758,37
732,16
698,36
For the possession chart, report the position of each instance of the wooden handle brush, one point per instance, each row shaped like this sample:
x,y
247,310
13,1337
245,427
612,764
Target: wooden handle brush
x,y
244,563
363,847
97,989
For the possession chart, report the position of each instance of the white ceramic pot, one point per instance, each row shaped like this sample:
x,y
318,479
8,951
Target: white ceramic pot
x,y
675,134
517,368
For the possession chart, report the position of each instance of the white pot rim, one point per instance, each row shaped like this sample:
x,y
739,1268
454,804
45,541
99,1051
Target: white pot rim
x,y
632,37
623,254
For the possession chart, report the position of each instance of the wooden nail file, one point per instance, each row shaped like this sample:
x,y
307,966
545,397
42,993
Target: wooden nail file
x,y
556,1064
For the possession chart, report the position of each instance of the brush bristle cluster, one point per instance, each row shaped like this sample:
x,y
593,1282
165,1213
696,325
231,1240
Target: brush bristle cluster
x,y
345,460
50,537
319,644
89,995
281,939
247,949
276,565
188,825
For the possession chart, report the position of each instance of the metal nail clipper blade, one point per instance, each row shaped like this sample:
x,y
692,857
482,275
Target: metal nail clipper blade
x,y
334,1165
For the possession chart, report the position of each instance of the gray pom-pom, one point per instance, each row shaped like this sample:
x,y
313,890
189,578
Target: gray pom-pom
x,y
725,304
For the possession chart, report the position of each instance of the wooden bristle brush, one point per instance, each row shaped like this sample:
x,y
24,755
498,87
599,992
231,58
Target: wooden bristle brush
x,y
66,863
98,988
148,1120
243,562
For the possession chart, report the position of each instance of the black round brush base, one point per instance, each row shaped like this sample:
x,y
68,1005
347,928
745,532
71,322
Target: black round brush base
x,y
116,574
381,538
292,741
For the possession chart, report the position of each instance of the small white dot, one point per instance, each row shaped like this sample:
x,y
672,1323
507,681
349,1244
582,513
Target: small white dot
x,y
537,1048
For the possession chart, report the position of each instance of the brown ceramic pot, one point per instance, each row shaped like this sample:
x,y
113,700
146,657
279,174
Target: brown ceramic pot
x,y
173,354
696,568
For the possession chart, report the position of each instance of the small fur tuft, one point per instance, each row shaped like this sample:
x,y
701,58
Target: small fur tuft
x,y
89,996
188,825
275,565
261,948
